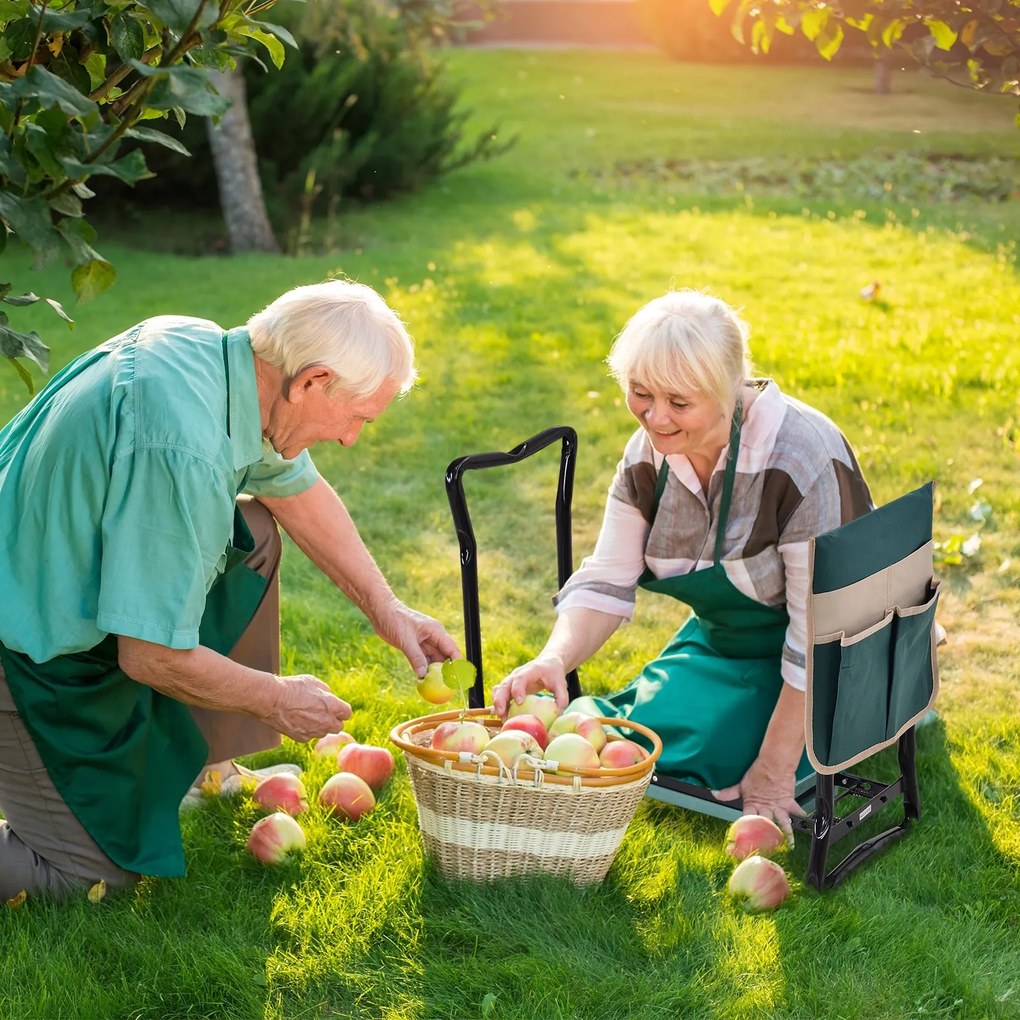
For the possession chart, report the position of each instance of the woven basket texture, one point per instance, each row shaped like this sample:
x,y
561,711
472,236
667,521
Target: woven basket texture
x,y
478,827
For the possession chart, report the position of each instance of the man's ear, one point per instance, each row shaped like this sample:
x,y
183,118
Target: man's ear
x,y
308,380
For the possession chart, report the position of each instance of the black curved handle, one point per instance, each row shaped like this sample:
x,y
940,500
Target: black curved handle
x,y
469,547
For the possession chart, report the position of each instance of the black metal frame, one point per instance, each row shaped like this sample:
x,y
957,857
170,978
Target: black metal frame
x,y
819,800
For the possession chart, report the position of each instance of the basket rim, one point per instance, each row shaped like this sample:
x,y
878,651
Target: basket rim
x,y
601,777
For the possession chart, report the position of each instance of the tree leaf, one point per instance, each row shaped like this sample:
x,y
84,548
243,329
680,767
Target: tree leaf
x,y
943,34
144,134
130,168
718,6
179,14
29,218
59,309
829,40
282,34
26,378
50,91
90,279
21,299
271,43
126,37
188,89
23,345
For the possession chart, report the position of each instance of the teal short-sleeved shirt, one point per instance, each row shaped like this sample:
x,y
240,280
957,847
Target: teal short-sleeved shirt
x,y
117,488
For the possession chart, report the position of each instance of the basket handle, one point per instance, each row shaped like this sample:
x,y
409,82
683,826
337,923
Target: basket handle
x,y
469,546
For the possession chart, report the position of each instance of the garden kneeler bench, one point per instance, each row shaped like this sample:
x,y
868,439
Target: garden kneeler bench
x,y
871,664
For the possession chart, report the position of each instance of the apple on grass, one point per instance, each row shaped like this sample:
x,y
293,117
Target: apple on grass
x,y
282,792
621,754
529,724
584,725
331,743
274,838
542,705
758,884
348,796
573,750
754,834
509,745
454,735
373,764
432,687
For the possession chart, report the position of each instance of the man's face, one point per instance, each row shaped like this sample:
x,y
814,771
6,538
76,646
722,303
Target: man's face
x,y
305,414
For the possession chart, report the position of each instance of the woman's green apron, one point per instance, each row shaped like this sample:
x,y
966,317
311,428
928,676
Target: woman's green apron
x,y
121,754
712,690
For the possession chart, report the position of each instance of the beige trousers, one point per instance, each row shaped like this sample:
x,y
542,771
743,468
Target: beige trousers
x,y
43,847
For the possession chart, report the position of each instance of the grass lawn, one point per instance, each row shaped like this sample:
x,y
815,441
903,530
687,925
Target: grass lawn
x,y
784,191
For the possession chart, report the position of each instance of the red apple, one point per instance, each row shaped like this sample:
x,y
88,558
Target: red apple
x,y
510,744
432,687
274,838
529,724
331,743
758,884
455,735
542,705
572,749
282,792
583,725
621,754
348,796
373,764
754,834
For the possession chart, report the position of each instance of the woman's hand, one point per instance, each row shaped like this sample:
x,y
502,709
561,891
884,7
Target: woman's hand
x,y
546,673
766,789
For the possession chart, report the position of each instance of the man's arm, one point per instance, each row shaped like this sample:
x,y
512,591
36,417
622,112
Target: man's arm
x,y
320,525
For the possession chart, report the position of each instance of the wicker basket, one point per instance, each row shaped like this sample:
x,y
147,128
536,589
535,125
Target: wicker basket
x,y
480,822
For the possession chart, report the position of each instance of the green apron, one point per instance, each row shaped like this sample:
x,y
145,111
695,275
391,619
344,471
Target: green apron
x,y
712,690
121,754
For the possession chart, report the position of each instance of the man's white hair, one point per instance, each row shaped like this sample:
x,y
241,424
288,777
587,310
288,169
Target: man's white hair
x,y
345,326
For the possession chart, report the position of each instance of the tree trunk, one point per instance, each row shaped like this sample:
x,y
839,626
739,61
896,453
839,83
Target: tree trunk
x,y
233,153
883,73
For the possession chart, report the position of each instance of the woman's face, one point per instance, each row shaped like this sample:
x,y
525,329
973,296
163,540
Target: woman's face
x,y
691,424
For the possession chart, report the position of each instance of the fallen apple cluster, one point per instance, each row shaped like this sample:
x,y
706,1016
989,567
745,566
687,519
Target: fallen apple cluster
x,y
349,794
536,728
757,883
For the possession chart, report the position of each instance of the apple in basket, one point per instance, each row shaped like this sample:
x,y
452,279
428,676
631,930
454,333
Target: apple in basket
x,y
572,749
529,724
348,796
274,838
542,705
758,884
583,725
454,735
373,764
754,834
509,745
432,687
621,754
331,743
282,792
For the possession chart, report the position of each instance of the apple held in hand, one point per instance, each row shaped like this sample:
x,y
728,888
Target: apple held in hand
x,y
432,687
758,884
573,750
509,745
274,838
348,796
373,764
460,736
583,725
621,754
331,743
754,834
529,724
542,705
282,792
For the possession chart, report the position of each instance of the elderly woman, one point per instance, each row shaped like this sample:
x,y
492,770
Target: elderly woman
x,y
139,636
713,504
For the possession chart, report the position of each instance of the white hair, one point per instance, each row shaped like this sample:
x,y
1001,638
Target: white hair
x,y
345,326
685,342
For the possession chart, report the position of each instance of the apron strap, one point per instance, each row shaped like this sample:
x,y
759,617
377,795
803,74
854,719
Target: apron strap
x,y
731,472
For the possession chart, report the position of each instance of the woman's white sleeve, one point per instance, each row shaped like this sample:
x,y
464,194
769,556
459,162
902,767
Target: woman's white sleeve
x,y
795,563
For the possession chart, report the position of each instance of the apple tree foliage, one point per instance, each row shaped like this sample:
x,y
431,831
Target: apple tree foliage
x,y
81,84
974,42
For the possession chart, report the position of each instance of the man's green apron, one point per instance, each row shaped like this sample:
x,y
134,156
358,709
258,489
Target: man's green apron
x,y
712,690
121,754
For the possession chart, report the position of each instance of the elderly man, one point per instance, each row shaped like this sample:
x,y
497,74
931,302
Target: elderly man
x,y
138,626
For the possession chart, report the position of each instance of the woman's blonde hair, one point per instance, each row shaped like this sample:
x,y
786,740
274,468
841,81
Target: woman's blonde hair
x,y
345,326
685,342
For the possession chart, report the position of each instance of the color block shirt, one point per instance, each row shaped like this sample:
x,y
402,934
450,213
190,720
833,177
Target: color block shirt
x,y
796,479
117,488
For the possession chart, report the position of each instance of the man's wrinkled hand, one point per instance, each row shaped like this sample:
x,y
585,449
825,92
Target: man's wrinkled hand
x,y
306,708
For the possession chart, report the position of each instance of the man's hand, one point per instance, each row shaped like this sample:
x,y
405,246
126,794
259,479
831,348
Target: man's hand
x,y
546,673
768,791
421,638
305,708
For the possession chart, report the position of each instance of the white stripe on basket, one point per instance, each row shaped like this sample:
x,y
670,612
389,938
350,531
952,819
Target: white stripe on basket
x,y
538,843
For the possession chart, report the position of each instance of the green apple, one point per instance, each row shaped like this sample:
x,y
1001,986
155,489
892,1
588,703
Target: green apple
x,y
431,686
